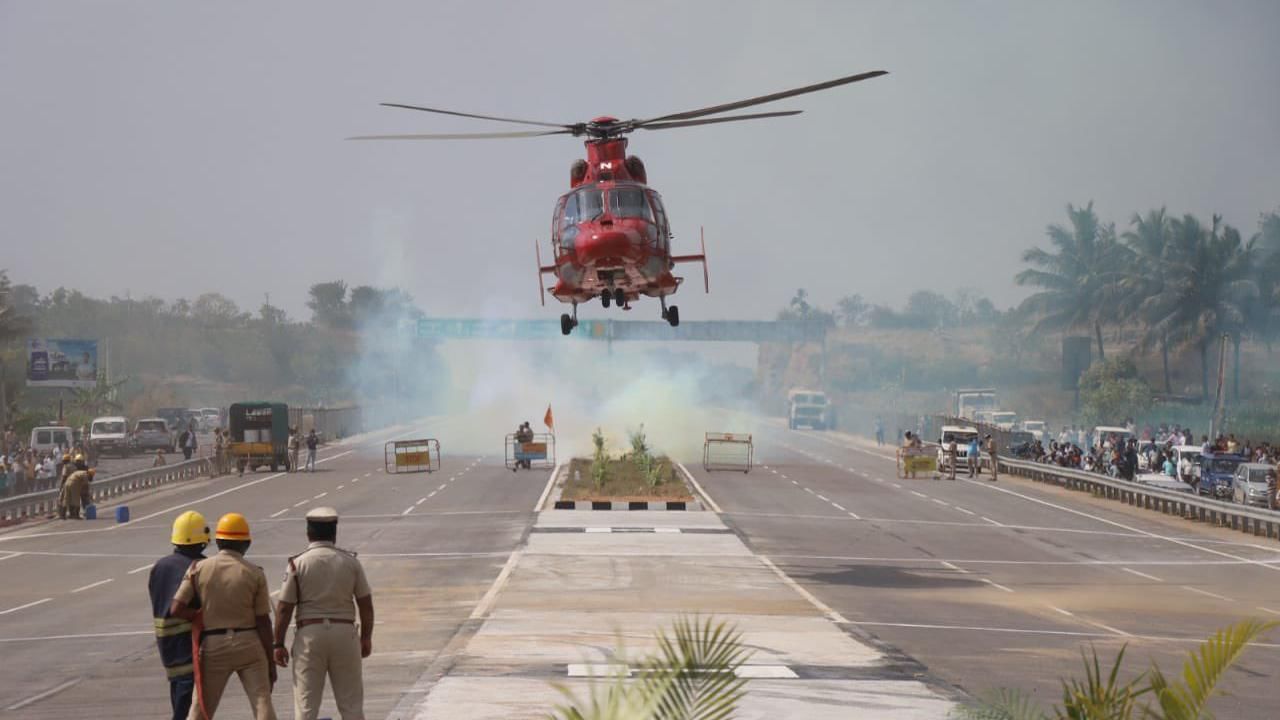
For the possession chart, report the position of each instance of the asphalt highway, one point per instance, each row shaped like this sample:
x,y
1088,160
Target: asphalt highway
x,y
984,585
1001,584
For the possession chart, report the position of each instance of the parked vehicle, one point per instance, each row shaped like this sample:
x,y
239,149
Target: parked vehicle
x,y
1037,428
154,434
1216,474
210,418
1115,433
259,435
50,438
1254,484
1190,453
1004,419
809,408
110,435
969,402
962,434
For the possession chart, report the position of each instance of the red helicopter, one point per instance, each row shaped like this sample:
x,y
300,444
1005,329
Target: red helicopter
x,y
610,233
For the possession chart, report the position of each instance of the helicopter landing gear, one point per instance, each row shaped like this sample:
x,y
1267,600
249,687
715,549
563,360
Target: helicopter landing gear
x,y
619,297
606,297
567,323
670,314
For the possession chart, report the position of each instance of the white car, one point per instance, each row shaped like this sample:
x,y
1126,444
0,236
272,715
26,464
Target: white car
x,y
1039,428
962,434
49,438
110,435
1004,419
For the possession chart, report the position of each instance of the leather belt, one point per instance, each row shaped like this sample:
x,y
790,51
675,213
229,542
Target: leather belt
x,y
317,621
224,631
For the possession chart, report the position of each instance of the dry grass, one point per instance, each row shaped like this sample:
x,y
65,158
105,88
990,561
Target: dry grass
x,y
623,482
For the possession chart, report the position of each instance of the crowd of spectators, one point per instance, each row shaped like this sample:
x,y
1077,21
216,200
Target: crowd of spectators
x,y
24,470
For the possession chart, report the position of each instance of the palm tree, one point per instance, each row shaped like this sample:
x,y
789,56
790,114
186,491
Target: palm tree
x,y
1206,290
1079,280
98,399
1148,241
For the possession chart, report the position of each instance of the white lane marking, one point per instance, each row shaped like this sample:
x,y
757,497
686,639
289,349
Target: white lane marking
x,y
317,497
367,474
491,595
429,495
1130,528
838,506
808,491
47,693
443,485
898,485
421,500
965,511
546,490
955,567
821,606
1206,593
83,636
1034,631
24,607
940,502
599,530
918,494
993,522
90,586
668,530
995,584
854,516
823,498
1108,628
339,487
300,503
1068,613
783,476
793,482
278,513
698,486
879,480
355,480
1269,610
219,494
408,510
10,555
1131,571
137,570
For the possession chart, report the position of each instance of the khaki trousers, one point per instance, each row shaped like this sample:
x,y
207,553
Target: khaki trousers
x,y
237,653
331,649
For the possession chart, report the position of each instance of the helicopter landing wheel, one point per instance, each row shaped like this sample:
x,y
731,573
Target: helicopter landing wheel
x,y
606,297
566,324
673,316
619,297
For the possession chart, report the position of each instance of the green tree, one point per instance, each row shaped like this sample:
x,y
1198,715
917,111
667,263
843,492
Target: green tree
x,y
1111,391
1207,288
328,305
1148,240
852,309
1078,279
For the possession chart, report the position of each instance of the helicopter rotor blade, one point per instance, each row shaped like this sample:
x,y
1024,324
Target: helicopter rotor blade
x,y
709,121
465,136
478,117
716,109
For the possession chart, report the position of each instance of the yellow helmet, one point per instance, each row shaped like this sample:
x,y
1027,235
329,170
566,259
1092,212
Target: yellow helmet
x,y
233,526
190,529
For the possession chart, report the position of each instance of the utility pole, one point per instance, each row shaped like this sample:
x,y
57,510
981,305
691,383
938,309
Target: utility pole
x,y
1219,408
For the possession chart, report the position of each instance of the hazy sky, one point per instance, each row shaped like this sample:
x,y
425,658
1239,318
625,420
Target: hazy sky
x,y
174,148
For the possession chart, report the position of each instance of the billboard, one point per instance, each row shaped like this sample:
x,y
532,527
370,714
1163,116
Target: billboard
x,y
62,362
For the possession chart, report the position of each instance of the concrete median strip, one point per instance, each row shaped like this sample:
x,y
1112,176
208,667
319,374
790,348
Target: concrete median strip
x,y
579,598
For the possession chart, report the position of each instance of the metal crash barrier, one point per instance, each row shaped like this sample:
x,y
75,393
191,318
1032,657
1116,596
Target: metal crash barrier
x,y
540,452
410,456
912,460
727,451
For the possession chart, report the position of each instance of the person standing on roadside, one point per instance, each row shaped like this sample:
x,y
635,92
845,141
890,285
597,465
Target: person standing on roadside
x,y
234,625
190,536
295,443
219,452
974,457
993,454
313,442
327,586
189,441
879,431
953,456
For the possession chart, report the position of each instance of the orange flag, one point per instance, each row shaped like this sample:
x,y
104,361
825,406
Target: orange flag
x,y
549,420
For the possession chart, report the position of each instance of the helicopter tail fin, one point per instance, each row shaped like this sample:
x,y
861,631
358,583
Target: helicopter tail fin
x,y
701,258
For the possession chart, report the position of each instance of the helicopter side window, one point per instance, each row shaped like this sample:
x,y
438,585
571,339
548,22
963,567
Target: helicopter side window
x,y
629,203
664,229
557,222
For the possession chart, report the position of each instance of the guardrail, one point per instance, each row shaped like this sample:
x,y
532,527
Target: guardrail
x,y
1257,521
41,503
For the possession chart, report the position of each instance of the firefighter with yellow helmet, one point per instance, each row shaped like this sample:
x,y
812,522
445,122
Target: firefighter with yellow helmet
x,y
227,599
190,536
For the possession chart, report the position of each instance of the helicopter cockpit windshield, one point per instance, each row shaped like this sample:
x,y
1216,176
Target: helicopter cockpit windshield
x,y
629,203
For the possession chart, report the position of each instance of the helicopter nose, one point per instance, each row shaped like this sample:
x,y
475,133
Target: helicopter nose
x,y
610,243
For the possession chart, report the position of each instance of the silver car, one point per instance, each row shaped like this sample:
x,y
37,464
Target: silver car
x,y
1254,484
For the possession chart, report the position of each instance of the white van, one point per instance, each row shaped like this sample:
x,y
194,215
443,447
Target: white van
x,y
50,438
110,435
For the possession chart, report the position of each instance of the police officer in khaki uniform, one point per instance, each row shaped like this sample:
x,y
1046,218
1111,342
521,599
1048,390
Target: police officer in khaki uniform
x,y
235,637
321,584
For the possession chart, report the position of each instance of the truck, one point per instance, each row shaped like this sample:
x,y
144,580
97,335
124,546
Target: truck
x,y
1004,419
969,402
259,435
809,408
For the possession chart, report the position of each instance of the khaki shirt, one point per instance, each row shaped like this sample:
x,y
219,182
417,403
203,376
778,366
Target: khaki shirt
x,y
232,591
328,580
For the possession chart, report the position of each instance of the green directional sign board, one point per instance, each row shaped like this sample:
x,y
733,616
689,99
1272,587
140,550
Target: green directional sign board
x,y
697,331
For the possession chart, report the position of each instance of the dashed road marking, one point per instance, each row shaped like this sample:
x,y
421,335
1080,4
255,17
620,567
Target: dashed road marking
x,y
794,482
838,506
808,491
854,516
278,513
1269,610
993,522
137,570
1068,613
1206,593
823,498
898,485
420,501
432,493
339,487
90,586
963,510
47,693
24,607
442,485
941,502
995,584
408,510
955,567
1141,574
317,497
367,474
917,493
300,503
